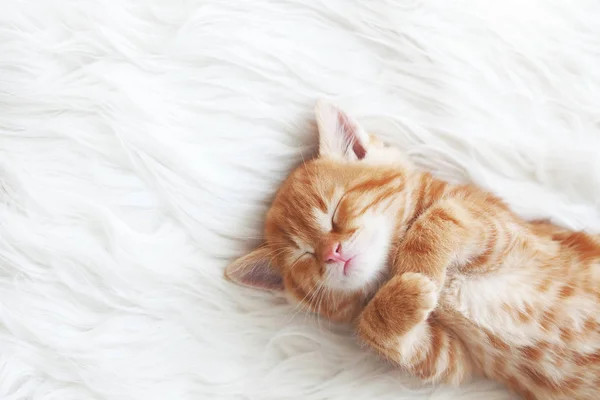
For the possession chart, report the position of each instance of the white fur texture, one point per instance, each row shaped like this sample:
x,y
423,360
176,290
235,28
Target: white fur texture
x,y
141,142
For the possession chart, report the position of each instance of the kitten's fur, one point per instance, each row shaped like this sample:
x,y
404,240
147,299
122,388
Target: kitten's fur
x,y
443,280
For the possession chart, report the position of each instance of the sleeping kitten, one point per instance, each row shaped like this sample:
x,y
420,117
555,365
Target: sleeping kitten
x,y
442,280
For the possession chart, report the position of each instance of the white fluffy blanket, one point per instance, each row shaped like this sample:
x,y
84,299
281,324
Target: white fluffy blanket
x,y
141,142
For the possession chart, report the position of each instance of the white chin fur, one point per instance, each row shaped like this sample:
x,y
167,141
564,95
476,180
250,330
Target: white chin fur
x,y
368,266
363,273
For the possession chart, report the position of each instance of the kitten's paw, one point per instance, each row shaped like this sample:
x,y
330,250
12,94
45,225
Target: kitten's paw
x,y
424,288
402,303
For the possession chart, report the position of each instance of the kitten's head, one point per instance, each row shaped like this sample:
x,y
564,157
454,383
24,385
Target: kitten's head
x,y
330,228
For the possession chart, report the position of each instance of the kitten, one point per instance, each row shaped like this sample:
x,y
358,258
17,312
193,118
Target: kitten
x,y
442,280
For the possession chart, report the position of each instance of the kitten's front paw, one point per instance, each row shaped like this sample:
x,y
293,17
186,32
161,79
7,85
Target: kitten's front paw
x,y
402,303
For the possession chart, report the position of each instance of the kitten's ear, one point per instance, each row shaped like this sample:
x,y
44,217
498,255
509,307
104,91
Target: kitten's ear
x,y
254,270
340,135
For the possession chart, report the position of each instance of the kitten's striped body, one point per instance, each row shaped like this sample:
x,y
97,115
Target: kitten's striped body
x,y
519,303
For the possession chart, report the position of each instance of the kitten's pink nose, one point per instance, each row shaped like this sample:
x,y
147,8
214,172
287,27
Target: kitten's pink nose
x,y
334,253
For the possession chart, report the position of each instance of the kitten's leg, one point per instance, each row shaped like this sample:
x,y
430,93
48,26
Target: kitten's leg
x,y
398,323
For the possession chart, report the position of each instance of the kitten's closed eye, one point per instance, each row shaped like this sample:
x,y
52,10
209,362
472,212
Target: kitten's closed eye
x,y
334,225
306,250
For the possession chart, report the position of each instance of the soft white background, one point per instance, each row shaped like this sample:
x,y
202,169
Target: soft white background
x,y
141,142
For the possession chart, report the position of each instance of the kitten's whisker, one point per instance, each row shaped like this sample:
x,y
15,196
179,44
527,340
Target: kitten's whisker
x,y
314,295
298,306
315,298
323,296
275,252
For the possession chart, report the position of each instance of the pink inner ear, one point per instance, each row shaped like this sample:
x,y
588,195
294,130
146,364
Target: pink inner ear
x,y
359,150
350,135
264,277
254,270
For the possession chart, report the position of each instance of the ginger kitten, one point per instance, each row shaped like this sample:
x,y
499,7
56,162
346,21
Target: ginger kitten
x,y
442,280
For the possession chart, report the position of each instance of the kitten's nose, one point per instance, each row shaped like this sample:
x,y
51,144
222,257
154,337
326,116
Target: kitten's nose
x,y
334,253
